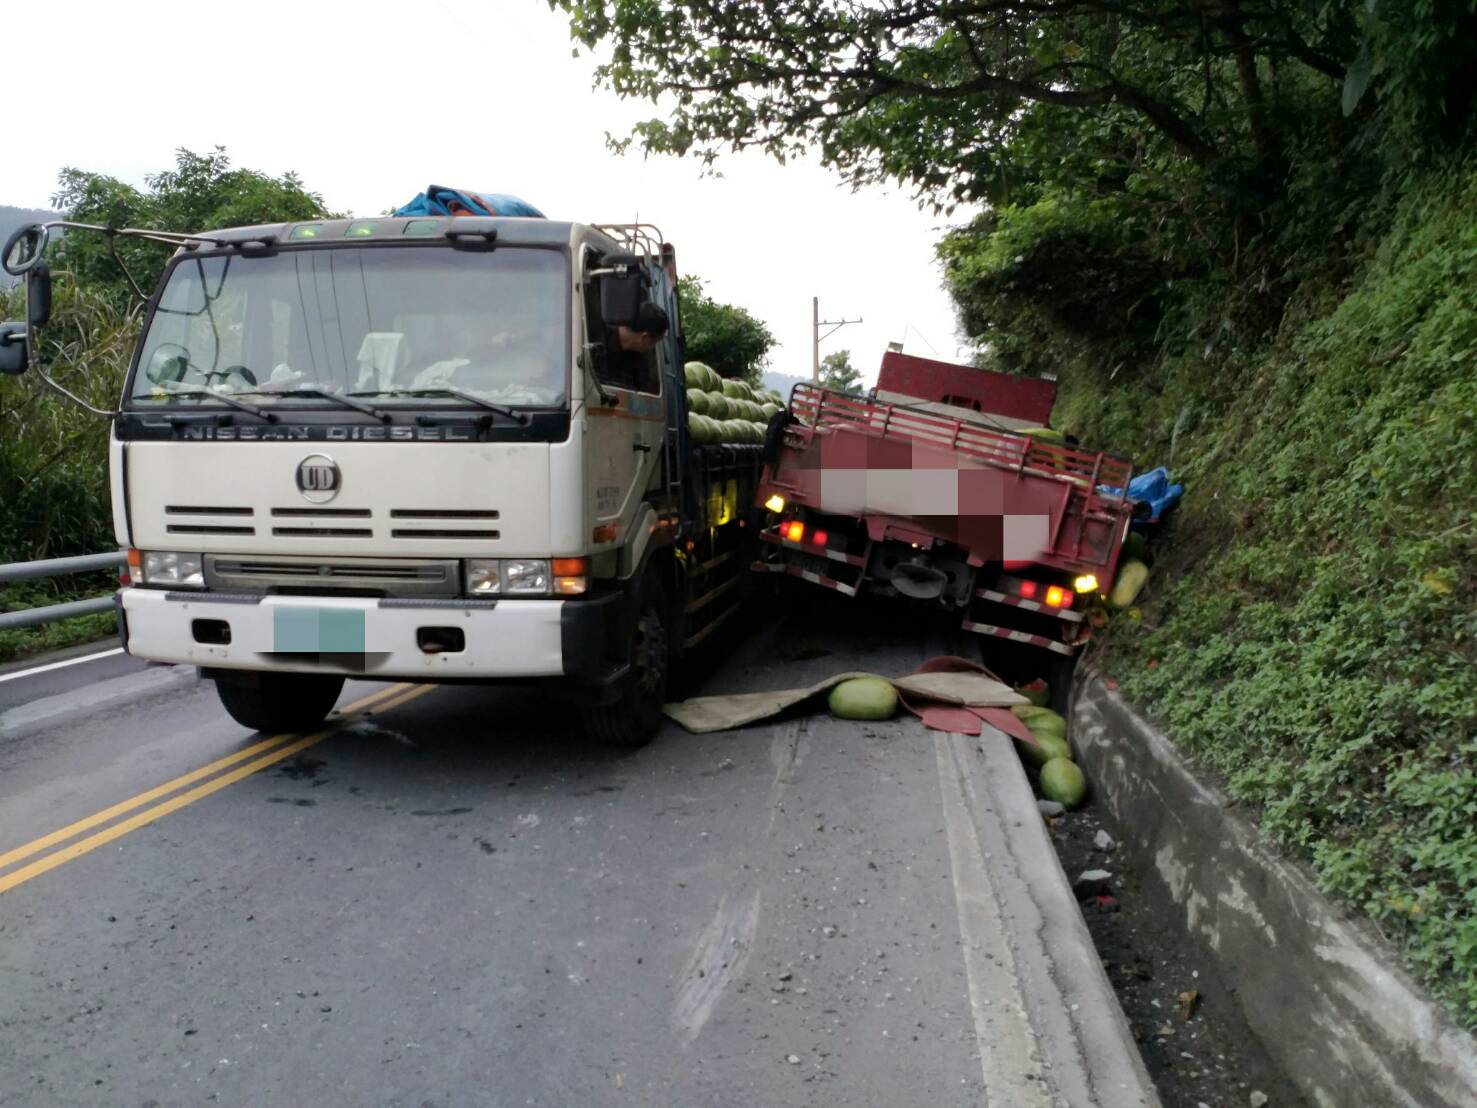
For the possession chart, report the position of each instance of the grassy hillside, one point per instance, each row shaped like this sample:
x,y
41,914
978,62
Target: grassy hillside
x,y
1311,627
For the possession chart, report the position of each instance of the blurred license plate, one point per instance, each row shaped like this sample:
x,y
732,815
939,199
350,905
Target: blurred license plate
x,y
318,631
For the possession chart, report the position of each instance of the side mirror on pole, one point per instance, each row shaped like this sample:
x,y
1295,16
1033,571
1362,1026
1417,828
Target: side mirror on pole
x,y
38,296
622,289
23,249
21,257
13,359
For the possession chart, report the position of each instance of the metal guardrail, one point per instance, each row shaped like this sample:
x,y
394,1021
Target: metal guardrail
x,y
56,567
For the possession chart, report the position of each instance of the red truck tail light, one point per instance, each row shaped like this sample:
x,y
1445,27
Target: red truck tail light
x,y
1027,589
819,538
1058,597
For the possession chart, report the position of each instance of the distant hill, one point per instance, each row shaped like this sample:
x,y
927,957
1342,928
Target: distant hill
x,y
10,219
782,383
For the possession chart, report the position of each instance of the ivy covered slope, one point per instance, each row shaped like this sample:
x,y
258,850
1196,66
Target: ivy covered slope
x,y
1311,629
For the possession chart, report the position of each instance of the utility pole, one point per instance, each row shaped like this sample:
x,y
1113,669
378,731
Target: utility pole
x,y
816,323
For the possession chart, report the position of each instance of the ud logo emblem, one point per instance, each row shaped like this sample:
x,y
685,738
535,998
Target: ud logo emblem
x,y
318,478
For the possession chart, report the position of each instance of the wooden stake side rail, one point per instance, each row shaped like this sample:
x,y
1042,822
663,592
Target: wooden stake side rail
x,y
1085,470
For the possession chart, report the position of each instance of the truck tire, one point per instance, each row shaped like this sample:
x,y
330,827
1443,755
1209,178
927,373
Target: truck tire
x,y
280,701
633,718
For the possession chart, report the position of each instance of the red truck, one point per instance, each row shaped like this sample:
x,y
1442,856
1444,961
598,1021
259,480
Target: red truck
x,y
946,486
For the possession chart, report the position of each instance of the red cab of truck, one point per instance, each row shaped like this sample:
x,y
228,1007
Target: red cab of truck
x,y
946,486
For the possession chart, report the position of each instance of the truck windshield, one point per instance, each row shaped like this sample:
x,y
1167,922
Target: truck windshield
x,y
383,320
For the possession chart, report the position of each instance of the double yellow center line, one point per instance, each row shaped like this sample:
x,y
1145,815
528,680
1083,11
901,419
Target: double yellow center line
x,y
247,761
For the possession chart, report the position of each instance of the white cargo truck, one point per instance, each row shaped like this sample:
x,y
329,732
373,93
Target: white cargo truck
x,y
428,448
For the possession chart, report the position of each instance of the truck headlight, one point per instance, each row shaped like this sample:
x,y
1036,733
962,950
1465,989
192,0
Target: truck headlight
x,y
169,567
484,577
526,576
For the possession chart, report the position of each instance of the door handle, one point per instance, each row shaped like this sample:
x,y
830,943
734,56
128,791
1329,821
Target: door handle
x,y
645,448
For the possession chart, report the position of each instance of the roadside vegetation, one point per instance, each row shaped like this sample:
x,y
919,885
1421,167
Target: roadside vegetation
x,y
1240,235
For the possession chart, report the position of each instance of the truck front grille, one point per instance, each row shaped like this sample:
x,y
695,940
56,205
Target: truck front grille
x,y
361,576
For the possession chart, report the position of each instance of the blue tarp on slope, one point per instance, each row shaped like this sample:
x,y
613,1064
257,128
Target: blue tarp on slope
x,y
1152,488
440,200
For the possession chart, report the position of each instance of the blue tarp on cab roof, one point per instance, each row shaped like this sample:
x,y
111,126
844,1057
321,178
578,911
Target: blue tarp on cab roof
x,y
440,200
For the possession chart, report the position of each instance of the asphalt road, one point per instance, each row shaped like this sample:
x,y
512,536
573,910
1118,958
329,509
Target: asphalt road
x,y
447,899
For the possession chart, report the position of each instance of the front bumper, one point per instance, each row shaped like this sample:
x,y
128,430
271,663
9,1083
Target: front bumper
x,y
505,638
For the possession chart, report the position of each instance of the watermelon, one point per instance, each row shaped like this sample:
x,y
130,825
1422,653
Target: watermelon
x,y
1063,782
1028,712
770,411
695,429
1045,434
697,401
717,405
1131,578
733,389
693,375
1047,747
1052,724
863,698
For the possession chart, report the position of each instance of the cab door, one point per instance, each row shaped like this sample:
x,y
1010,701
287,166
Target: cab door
x,y
624,433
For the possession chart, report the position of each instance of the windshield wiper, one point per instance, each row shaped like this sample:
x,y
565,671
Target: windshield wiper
x,y
450,390
346,399
224,398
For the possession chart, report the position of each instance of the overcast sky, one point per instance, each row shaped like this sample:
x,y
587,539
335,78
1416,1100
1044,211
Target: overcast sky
x,y
369,102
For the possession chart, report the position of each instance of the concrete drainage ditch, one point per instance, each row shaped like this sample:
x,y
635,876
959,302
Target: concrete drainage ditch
x,y
1322,1006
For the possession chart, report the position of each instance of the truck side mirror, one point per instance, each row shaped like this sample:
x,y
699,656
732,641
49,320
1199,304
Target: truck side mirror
x,y
622,288
21,256
13,358
23,249
38,295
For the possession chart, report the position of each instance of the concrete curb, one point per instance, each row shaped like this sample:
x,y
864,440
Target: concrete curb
x,y
1087,1054
1324,993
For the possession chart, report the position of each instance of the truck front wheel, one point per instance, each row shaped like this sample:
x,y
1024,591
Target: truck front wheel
x,y
632,720
279,701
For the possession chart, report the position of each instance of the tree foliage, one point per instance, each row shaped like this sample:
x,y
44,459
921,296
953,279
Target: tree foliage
x,y
838,373
201,193
724,336
940,92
